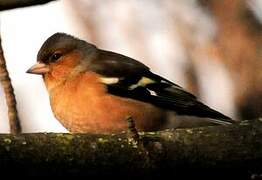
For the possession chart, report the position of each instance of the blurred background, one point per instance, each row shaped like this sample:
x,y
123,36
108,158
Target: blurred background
x,y
211,48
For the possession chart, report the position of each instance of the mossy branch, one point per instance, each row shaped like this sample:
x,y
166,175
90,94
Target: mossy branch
x,y
218,148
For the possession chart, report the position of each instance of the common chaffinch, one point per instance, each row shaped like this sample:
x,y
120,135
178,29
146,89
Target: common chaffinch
x,y
94,90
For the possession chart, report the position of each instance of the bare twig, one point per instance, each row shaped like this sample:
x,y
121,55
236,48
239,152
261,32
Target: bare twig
x,y
11,4
5,81
132,131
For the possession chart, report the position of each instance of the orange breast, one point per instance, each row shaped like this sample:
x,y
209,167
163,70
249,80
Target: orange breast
x,y
82,105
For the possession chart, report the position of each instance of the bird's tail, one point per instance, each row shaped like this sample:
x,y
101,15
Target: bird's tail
x,y
192,107
201,110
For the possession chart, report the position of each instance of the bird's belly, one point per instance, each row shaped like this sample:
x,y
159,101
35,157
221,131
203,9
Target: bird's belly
x,y
104,113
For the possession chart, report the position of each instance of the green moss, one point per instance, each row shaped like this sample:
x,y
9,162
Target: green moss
x,y
189,131
64,138
69,137
102,140
167,135
132,142
198,146
244,123
151,133
7,141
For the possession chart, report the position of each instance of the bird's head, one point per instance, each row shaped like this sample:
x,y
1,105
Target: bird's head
x,y
60,55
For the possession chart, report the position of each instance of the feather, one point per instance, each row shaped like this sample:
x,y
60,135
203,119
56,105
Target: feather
x,y
132,79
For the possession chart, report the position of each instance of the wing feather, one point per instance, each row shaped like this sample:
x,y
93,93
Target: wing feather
x,y
136,81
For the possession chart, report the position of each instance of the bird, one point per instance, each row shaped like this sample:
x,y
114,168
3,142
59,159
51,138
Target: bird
x,y
92,90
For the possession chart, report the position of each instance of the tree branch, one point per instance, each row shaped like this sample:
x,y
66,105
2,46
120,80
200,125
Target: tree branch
x,y
5,81
12,4
233,148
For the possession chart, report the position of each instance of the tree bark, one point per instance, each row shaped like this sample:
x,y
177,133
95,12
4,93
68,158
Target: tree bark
x,y
218,149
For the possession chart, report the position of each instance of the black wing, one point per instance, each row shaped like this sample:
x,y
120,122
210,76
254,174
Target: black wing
x,y
133,79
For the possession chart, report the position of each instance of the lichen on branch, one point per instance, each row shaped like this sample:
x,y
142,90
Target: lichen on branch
x,y
233,147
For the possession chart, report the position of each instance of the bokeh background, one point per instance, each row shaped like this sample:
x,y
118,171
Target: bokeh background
x,y
211,48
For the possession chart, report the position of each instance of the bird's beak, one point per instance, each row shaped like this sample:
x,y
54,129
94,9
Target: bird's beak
x,y
38,68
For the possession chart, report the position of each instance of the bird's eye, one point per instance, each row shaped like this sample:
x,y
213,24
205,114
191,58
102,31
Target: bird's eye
x,y
55,56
